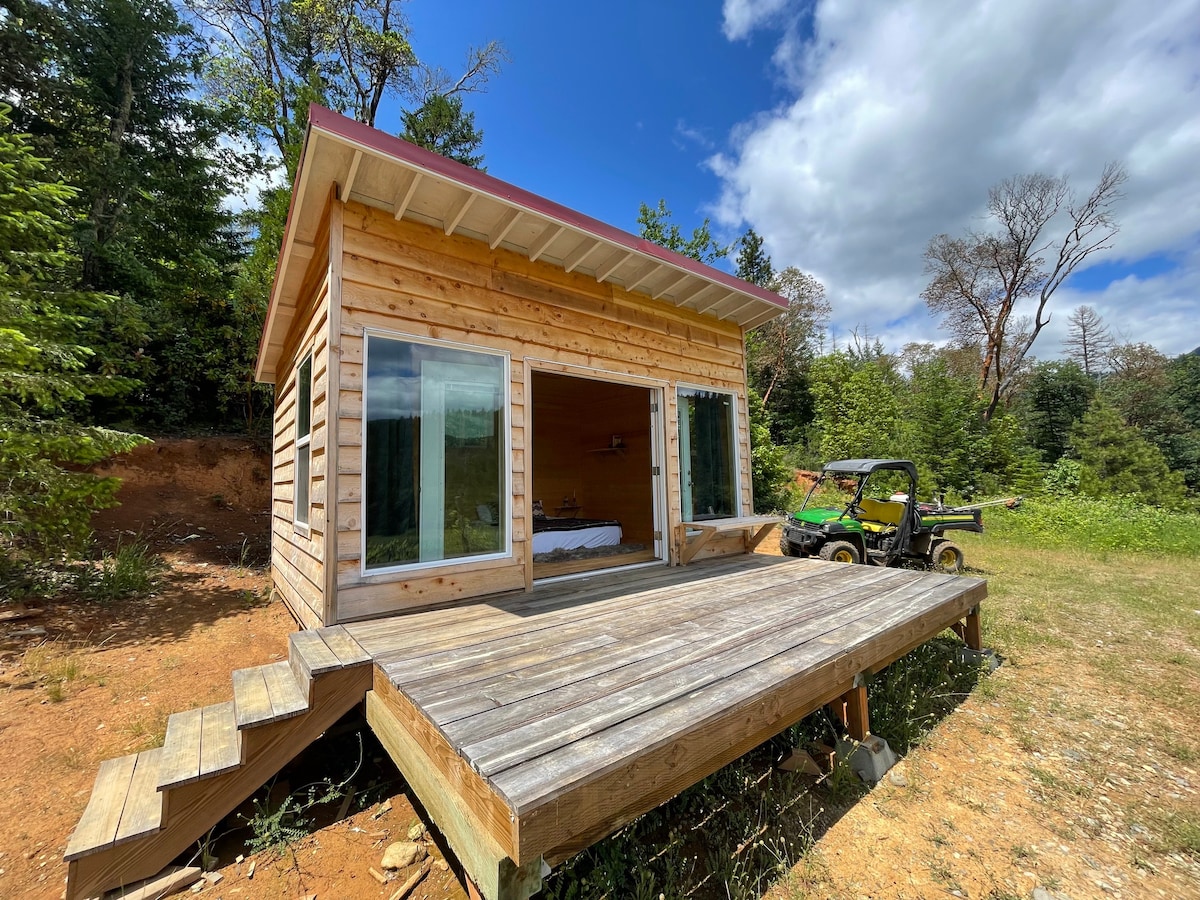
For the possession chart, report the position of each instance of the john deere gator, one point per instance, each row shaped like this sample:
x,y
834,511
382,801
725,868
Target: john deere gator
x,y
865,511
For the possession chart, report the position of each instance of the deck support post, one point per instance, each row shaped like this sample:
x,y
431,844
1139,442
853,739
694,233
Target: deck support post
x,y
972,631
490,873
851,710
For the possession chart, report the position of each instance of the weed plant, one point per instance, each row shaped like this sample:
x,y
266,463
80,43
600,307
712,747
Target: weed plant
x,y
1112,524
130,571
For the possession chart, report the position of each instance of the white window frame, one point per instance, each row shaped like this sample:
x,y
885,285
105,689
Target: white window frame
x,y
302,511
506,498
735,411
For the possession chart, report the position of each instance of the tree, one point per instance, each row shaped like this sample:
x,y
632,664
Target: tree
x,y
1051,401
753,263
272,58
977,280
780,352
117,117
1088,340
857,410
1116,459
45,500
654,225
440,124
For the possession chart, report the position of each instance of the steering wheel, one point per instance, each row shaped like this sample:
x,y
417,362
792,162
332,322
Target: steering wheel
x,y
855,510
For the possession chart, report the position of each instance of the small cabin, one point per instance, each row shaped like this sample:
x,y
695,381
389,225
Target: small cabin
x,y
477,389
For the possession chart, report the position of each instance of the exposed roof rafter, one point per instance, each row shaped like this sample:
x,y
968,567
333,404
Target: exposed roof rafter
x,y
501,229
615,262
409,182
582,251
644,275
348,186
457,210
544,240
671,285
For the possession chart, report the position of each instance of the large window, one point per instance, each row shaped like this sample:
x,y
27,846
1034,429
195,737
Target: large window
x,y
707,468
434,482
303,474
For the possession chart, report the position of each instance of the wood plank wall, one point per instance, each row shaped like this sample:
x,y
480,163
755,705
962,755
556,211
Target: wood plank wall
x,y
412,279
297,555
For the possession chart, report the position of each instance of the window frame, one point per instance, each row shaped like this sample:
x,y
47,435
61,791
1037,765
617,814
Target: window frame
x,y
735,433
506,459
303,521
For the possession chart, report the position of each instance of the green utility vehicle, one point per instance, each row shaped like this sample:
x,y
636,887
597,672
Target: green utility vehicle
x,y
865,510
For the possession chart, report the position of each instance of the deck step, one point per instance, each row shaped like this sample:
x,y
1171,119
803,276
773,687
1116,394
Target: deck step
x,y
125,804
348,651
310,656
200,743
266,694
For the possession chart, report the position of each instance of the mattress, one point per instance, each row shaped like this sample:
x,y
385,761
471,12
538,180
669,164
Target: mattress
x,y
550,533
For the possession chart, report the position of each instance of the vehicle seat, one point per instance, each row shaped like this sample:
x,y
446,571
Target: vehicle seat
x,y
880,515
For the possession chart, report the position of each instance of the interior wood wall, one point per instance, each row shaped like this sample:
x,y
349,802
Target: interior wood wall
x,y
574,420
412,279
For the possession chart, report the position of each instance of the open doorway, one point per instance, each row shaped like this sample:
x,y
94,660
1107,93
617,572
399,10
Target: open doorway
x,y
593,482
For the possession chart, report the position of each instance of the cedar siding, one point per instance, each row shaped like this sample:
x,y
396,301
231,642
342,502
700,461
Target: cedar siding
x,y
407,278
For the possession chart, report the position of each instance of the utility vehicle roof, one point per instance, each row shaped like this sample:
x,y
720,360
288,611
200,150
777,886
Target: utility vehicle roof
x,y
867,466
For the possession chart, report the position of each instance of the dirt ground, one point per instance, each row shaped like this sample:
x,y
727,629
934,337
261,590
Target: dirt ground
x,y
961,817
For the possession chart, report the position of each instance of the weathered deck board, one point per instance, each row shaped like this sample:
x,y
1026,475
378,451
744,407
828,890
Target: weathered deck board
x,y
584,703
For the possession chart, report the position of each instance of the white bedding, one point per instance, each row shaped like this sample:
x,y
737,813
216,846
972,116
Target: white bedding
x,y
596,536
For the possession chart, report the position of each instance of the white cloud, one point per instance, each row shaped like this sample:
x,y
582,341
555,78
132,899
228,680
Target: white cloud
x,y
904,114
743,16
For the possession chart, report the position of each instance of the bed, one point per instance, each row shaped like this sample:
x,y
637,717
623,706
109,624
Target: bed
x,y
550,533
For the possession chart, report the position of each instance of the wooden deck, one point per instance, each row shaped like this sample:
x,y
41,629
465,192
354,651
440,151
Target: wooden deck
x,y
533,725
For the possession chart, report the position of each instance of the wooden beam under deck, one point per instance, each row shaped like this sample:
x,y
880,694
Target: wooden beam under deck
x,y
555,717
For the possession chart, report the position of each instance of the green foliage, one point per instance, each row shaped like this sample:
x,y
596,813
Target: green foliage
x,y
1064,477
274,828
857,408
779,353
440,124
1117,460
45,500
1098,525
130,571
1053,399
753,263
654,225
771,475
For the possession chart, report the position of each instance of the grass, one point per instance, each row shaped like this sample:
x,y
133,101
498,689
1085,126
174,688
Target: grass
x,y
55,668
129,571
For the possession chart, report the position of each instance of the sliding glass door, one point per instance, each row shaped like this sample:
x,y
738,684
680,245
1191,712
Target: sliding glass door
x,y
435,453
707,457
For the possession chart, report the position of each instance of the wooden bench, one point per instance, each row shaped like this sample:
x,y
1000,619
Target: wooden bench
x,y
710,528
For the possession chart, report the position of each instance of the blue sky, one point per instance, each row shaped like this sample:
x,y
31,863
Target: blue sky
x,y
849,133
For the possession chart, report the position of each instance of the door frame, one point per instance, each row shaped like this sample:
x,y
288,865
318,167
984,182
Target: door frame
x,y
657,389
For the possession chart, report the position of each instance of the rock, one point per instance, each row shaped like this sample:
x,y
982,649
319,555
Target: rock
x,y
415,830
441,865
402,854
897,778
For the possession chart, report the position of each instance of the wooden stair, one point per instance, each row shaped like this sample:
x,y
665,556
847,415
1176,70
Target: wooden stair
x,y
146,808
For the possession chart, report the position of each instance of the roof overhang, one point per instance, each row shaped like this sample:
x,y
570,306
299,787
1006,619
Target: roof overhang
x,y
389,173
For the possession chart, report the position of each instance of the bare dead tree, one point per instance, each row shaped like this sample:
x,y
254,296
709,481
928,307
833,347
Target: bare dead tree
x,y
1088,340
977,280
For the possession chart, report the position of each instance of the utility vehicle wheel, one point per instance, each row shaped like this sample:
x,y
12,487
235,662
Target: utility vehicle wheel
x,y
947,556
840,551
787,548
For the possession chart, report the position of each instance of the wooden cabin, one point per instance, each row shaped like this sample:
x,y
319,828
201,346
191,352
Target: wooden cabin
x,y
478,388
511,508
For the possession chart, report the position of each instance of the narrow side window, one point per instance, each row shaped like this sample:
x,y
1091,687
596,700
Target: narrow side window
x,y
303,440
